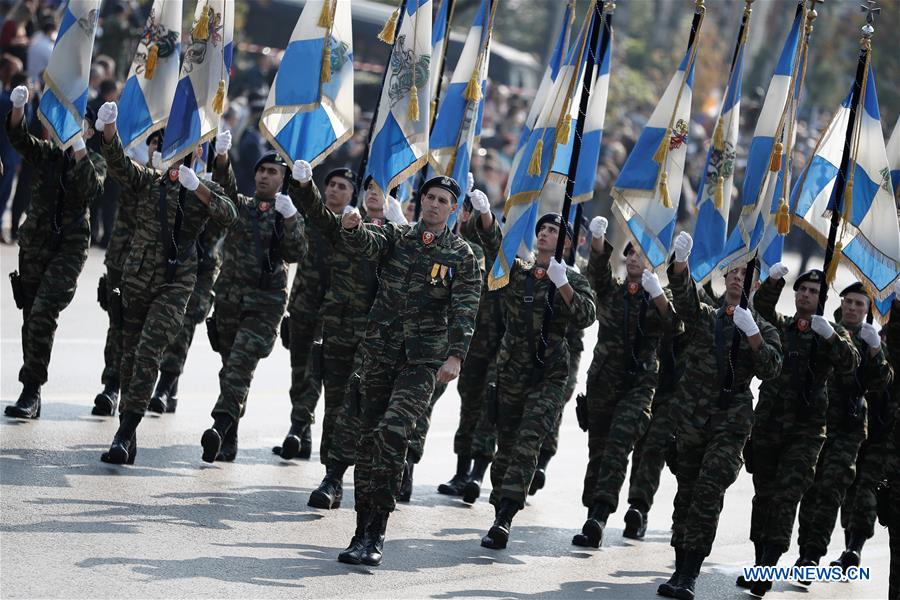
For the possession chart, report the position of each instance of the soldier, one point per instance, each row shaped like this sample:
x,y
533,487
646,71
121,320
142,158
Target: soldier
x,y
633,315
528,405
845,431
714,407
418,332
53,245
160,271
789,422
251,291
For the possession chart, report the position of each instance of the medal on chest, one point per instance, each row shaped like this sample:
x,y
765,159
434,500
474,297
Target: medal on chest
x,y
803,325
427,237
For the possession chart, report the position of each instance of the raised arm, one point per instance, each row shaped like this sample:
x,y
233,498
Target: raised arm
x,y
582,309
308,199
223,174
768,356
35,151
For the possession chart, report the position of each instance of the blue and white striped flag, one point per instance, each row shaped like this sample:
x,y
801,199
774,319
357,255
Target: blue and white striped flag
x,y
145,102
309,112
893,154
400,141
648,189
66,78
438,47
203,83
869,236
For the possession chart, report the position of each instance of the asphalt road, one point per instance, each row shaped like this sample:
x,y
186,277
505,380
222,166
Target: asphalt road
x,y
173,526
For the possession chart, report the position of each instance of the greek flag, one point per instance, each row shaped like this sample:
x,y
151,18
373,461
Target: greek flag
x,y
203,84
438,48
309,111
66,78
400,141
869,235
893,154
145,102
648,189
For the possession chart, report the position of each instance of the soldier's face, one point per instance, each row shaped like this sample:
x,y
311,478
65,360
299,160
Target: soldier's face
x,y
269,179
634,264
437,204
854,308
734,282
547,237
806,298
338,194
374,199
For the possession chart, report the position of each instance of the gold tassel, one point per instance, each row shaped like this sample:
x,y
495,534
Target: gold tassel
x,y
152,58
325,76
775,161
719,136
534,167
663,150
783,218
201,29
325,16
219,101
848,200
833,265
562,133
664,190
412,110
473,88
720,192
390,28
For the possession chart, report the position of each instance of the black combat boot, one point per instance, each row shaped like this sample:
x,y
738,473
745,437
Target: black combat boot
x,y
743,582
228,451
808,558
105,402
690,570
770,556
498,535
353,554
123,449
540,473
28,406
472,489
635,522
331,491
172,404
406,484
305,443
292,443
667,588
591,535
372,554
213,437
455,486
851,556
159,402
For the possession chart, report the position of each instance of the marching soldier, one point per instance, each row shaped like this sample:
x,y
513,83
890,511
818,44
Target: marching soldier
x,y
846,429
789,423
531,376
160,271
53,245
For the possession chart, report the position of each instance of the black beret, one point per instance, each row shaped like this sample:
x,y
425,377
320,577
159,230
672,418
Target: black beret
x,y
270,157
343,173
443,182
812,276
554,219
158,134
855,288
369,179
628,248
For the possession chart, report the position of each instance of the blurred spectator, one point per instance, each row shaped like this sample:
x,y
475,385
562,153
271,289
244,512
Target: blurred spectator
x,y
41,45
251,146
116,37
18,28
10,158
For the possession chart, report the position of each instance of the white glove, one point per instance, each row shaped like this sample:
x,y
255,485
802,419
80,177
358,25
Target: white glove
x,y
302,171
106,115
223,142
598,226
821,326
479,201
683,245
744,321
78,144
557,273
188,178
156,160
393,212
650,282
284,205
19,96
868,334
778,271
470,182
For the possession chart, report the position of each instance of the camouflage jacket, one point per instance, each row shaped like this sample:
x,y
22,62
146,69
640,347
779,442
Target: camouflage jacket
x,y
81,182
489,320
312,278
428,292
708,336
141,193
120,241
799,394
254,270
884,405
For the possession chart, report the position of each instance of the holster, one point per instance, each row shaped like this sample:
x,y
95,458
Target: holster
x,y
212,332
286,332
581,411
672,453
15,281
492,400
883,502
116,314
315,361
103,293
748,455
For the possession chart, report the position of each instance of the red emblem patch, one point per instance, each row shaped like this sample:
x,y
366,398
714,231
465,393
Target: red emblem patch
x,y
539,273
803,325
173,175
633,287
729,310
427,237
264,206
376,222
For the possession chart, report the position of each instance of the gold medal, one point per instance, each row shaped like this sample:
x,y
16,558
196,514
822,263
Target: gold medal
x,y
435,269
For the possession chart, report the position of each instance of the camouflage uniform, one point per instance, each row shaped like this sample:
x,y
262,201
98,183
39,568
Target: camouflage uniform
x,y
575,340
789,422
53,242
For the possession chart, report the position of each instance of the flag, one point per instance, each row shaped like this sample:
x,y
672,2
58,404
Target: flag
x,y
147,97
66,78
309,111
400,140
203,83
648,189
868,239
458,124
893,154
714,193
762,183
438,49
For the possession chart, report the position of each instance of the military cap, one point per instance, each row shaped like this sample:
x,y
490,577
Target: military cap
x,y
628,248
344,173
369,180
855,288
812,276
443,182
554,219
156,135
270,158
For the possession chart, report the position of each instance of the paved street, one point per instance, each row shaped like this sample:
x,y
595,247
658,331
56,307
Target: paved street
x,y
173,526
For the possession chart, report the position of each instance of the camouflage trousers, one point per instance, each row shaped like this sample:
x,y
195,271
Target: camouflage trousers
x,y
617,419
784,467
340,425
245,337
649,455
112,351
306,379
475,435
551,442
526,414
392,397
423,424
48,283
835,472
709,461
860,507
892,471
197,309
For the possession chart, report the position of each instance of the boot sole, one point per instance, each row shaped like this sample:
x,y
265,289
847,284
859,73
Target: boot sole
x,y
471,492
683,594
211,443
18,413
370,562
449,490
666,589
349,559
633,525
305,451
290,447
103,407
591,535
116,456
319,500
496,539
